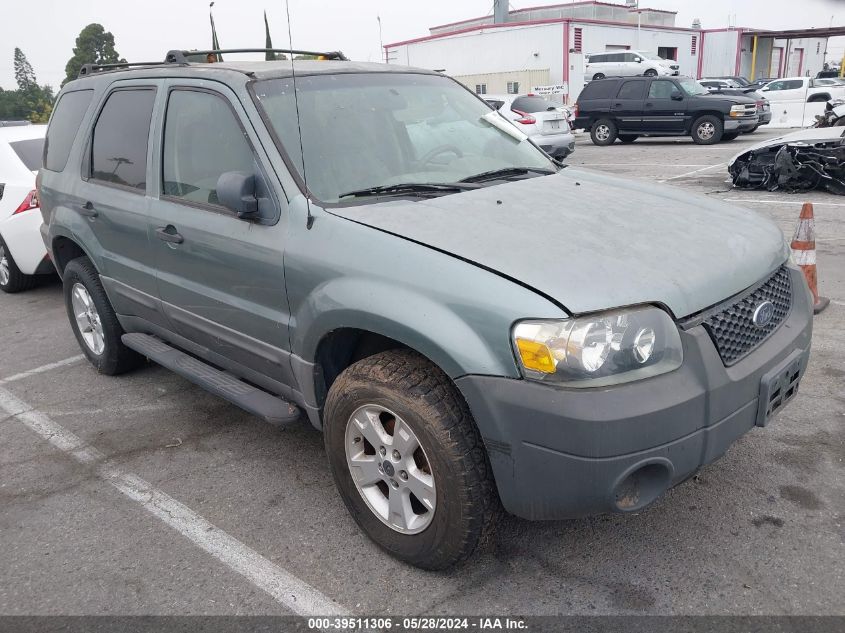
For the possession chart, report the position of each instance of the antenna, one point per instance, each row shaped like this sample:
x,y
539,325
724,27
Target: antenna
x,y
309,222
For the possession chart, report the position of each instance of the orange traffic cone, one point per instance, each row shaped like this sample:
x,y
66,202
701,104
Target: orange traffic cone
x,y
804,253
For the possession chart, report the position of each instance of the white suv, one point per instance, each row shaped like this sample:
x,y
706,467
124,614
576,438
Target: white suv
x,y
23,255
545,123
628,64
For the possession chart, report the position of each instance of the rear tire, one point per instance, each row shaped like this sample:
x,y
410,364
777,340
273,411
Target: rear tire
x,y
707,130
730,136
93,320
628,138
603,132
376,412
12,280
598,76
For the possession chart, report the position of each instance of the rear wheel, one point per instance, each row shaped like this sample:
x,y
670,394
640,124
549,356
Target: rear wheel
x,y
730,136
598,76
603,132
408,460
93,320
11,278
707,130
628,138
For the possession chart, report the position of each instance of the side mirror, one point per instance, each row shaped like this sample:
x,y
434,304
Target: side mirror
x,y
677,96
639,60
236,191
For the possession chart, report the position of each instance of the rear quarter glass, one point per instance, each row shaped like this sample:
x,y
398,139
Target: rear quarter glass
x,y
599,89
64,126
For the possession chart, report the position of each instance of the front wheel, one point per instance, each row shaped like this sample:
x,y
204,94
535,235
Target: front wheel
x,y
93,320
408,460
650,73
707,130
603,132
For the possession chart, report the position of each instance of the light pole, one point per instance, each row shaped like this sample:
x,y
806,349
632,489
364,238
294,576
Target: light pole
x,y
383,53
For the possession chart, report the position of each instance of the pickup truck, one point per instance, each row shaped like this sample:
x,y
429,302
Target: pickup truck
x,y
803,89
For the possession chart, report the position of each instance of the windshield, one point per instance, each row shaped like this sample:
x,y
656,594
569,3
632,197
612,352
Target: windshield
x,y
651,56
364,130
692,87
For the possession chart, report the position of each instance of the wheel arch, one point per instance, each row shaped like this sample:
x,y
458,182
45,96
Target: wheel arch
x,y
823,96
697,115
64,250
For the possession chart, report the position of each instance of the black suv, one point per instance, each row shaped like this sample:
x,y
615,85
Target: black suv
x,y
629,107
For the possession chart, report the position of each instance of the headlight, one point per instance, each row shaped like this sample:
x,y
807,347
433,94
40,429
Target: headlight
x,y
598,350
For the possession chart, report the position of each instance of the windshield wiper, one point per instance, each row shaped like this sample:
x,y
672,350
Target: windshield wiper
x,y
410,188
506,172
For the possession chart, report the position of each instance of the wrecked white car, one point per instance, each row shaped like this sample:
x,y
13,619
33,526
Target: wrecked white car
x,y
812,158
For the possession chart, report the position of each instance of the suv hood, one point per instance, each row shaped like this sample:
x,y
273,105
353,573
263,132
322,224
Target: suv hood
x,y
729,98
591,241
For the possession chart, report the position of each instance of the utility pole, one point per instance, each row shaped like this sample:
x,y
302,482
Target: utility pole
x,y
380,40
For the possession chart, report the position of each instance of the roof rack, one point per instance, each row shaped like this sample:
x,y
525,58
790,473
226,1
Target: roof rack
x,y
185,57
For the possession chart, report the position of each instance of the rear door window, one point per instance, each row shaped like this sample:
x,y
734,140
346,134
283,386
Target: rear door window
x,y
121,135
29,151
631,90
63,127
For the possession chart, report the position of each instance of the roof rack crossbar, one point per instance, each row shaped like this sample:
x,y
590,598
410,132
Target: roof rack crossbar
x,y
181,56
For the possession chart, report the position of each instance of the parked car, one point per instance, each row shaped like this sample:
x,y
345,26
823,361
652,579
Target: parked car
x,y
468,325
760,82
627,108
22,253
627,64
731,87
802,90
829,81
545,123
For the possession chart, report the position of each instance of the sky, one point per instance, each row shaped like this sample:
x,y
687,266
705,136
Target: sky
x,y
145,30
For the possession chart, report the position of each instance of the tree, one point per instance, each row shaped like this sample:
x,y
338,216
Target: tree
x,y
268,43
94,45
24,74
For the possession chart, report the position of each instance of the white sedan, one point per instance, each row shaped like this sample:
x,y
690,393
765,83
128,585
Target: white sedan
x,y
544,122
22,252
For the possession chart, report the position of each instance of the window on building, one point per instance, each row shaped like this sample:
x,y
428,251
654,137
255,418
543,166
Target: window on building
x,y
668,52
513,87
202,141
694,45
119,145
481,89
577,40
631,90
63,128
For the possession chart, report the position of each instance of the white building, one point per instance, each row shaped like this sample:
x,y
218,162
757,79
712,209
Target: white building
x,y
518,50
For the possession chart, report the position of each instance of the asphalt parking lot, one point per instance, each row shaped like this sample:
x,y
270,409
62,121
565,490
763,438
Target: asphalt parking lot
x,y
145,495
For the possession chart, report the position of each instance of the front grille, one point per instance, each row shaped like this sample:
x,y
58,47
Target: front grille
x,y
732,328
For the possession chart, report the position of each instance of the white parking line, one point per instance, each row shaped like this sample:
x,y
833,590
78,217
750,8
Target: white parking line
x,y
288,590
42,369
796,203
690,173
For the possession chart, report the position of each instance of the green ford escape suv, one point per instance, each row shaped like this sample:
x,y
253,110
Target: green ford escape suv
x,y
471,325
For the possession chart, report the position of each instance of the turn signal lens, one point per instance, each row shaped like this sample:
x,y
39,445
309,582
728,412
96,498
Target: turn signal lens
x,y
535,356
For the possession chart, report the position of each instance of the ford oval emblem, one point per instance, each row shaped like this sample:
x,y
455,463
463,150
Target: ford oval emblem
x,y
763,314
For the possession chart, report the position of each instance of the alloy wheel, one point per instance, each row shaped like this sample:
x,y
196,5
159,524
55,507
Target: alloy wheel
x,y
706,130
390,469
87,319
5,275
602,132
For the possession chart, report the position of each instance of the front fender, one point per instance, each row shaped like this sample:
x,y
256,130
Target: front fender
x,y
432,328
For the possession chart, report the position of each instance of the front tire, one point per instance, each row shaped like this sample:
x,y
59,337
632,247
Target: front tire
x,y
408,460
12,280
93,320
707,130
650,73
603,132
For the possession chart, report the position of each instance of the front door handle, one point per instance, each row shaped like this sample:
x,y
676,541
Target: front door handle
x,y
87,210
168,234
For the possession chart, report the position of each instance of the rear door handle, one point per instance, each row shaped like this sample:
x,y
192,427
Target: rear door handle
x,y
87,210
168,234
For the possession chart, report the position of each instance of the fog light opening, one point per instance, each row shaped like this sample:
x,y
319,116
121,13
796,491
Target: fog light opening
x,y
641,487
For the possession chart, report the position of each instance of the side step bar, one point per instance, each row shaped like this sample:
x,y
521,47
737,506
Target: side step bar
x,y
273,409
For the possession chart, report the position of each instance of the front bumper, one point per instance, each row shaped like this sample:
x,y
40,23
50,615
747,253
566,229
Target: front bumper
x,y
560,453
741,124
